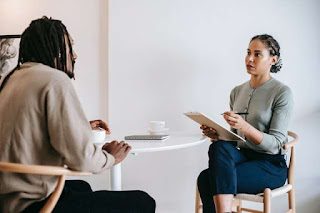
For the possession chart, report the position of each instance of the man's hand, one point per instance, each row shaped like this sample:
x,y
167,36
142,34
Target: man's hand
x,y
118,150
211,133
97,124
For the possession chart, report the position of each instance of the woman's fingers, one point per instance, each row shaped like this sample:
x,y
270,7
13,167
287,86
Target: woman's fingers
x,y
209,134
209,130
232,123
204,127
232,120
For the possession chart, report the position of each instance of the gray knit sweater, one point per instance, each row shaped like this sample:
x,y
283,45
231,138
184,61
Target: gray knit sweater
x,y
270,108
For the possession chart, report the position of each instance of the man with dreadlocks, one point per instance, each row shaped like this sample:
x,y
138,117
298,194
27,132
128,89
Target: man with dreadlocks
x,y
42,122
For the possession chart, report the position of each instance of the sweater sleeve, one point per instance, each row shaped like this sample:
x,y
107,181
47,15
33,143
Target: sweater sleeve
x,y
231,102
70,131
281,115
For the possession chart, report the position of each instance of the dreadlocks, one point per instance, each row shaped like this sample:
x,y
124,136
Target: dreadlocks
x,y
44,41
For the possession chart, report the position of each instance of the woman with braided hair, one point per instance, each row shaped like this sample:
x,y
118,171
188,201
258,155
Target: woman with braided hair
x,y
258,163
42,123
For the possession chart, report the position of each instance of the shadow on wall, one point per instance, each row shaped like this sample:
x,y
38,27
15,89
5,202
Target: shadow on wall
x,y
310,206
307,172
308,195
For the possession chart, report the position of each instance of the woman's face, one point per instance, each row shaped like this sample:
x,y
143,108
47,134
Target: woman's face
x,y
258,59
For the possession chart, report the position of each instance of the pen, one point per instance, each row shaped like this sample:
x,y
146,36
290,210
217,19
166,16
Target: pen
x,y
240,113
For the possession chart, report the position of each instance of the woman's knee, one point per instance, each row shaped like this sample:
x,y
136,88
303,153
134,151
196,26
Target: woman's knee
x,y
203,178
203,182
219,147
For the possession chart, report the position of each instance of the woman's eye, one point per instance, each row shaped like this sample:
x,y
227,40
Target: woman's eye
x,y
248,53
257,54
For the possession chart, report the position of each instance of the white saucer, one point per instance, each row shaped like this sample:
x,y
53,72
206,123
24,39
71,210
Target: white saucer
x,y
159,132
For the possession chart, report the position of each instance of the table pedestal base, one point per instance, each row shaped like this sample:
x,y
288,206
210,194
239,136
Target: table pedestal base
x,y
116,177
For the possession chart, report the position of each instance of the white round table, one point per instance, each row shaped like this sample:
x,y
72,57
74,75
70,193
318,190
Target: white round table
x,y
176,140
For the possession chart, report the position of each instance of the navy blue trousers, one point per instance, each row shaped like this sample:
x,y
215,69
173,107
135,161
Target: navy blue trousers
x,y
233,171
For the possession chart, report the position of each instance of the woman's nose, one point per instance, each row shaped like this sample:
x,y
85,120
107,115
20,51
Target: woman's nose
x,y
250,58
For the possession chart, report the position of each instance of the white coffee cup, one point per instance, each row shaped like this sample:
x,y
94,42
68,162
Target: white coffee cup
x,y
157,125
98,135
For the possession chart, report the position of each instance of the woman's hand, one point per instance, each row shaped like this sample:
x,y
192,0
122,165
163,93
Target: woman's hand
x,y
97,124
211,133
236,121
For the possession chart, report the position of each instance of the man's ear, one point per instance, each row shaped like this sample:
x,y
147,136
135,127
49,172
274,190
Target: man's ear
x,y
274,60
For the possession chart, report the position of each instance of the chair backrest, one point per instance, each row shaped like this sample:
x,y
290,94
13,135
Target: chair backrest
x,y
291,146
44,170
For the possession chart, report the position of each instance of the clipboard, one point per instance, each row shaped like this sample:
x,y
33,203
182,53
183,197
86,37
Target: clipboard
x,y
221,131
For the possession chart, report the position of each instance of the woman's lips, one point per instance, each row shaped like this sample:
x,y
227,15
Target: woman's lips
x,y
250,67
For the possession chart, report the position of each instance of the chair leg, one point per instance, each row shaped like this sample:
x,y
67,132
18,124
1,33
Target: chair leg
x,y
198,201
267,201
238,204
239,207
292,200
49,206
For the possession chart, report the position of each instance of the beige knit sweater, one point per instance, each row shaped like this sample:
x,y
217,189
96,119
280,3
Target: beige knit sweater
x,y
42,122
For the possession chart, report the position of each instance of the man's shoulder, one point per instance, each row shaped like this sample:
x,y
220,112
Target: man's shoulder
x,y
49,73
41,77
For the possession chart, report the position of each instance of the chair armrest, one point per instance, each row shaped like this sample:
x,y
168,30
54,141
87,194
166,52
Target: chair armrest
x,y
39,169
293,142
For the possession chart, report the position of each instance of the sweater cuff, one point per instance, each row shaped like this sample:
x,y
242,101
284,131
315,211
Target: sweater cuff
x,y
266,144
110,160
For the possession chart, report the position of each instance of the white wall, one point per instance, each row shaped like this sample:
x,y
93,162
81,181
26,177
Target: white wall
x,y
83,22
87,23
171,56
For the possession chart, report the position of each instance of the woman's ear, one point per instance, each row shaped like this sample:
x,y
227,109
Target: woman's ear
x,y
274,60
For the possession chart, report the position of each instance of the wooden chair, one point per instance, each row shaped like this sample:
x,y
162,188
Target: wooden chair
x,y
266,196
44,170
